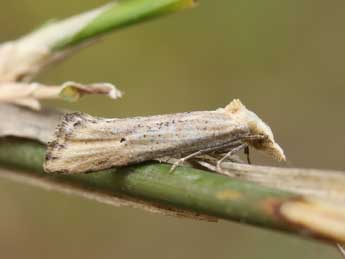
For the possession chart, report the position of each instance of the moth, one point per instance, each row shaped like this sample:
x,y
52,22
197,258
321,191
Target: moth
x,y
83,143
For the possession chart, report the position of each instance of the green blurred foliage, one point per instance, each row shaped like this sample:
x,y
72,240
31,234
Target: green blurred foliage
x,y
283,59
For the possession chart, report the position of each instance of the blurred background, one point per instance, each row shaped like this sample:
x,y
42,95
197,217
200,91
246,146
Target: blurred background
x,y
283,59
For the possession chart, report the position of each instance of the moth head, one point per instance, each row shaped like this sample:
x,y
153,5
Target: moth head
x,y
265,139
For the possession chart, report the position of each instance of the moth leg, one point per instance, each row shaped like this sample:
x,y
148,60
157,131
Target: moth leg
x,y
230,153
341,249
234,143
182,160
246,151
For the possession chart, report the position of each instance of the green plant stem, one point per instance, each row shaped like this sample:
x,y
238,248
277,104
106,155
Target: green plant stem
x,y
185,189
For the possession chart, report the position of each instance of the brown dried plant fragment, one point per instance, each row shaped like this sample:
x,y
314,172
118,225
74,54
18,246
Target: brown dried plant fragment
x,y
20,122
322,219
321,184
29,94
22,59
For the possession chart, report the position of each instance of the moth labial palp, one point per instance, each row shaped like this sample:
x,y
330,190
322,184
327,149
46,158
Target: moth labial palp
x,y
83,143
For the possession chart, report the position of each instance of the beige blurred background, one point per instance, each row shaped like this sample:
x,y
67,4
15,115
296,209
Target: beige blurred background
x,y
283,59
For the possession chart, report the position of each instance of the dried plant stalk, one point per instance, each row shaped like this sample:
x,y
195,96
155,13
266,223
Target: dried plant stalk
x,y
187,191
29,94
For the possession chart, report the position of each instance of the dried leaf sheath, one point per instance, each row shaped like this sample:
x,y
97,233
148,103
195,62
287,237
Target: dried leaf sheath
x,y
17,121
29,94
83,143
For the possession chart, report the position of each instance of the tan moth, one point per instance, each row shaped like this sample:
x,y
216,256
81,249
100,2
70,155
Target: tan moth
x,y
84,143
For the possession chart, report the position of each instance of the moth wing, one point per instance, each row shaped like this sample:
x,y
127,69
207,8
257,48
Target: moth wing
x,y
80,145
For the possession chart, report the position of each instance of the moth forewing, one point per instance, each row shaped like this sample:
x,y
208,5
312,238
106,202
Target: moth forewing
x,y
83,143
